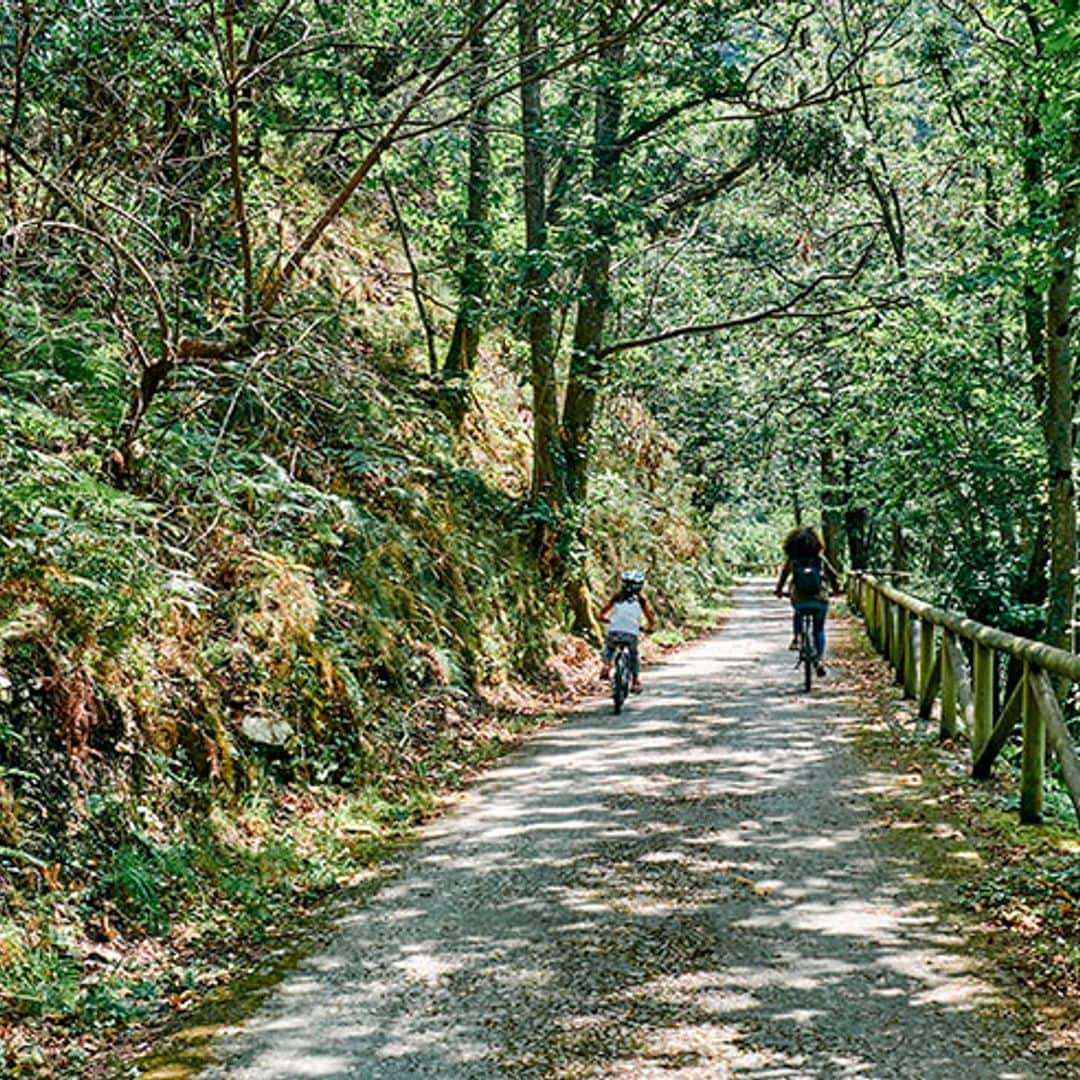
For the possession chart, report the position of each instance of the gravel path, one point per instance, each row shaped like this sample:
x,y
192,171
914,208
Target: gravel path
x,y
690,890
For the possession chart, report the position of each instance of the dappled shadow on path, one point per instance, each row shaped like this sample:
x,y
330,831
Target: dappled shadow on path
x,y
688,890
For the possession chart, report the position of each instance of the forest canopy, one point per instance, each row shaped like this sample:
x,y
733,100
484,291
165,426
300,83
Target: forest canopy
x,y
828,245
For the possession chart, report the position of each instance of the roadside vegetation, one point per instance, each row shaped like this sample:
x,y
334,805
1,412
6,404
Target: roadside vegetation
x,y
1015,884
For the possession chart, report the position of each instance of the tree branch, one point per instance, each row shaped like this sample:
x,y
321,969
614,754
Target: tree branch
x,y
414,277
93,228
275,283
785,310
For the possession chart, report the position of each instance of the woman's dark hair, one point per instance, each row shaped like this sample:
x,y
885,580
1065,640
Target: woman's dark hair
x,y
802,544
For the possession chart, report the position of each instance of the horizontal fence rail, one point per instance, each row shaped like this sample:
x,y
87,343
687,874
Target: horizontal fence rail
x,y
923,644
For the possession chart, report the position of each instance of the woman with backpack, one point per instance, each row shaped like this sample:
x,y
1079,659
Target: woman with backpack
x,y
811,577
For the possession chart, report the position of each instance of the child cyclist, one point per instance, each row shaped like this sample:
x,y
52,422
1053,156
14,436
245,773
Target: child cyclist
x,y
624,614
811,576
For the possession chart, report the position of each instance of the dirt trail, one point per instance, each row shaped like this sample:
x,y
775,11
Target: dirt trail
x,y
691,890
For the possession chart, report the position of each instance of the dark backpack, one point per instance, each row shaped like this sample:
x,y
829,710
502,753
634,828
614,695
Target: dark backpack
x,y
806,576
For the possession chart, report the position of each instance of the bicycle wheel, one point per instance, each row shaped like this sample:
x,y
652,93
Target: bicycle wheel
x,y
620,682
806,651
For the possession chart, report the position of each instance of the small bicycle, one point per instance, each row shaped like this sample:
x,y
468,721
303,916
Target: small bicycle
x,y
621,675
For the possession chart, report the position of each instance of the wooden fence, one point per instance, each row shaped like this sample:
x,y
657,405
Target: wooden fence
x,y
923,644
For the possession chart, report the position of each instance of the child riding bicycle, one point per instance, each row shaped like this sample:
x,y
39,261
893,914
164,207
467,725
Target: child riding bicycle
x,y
624,614
811,576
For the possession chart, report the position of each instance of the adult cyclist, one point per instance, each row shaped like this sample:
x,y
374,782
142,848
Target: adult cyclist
x,y
624,613
811,576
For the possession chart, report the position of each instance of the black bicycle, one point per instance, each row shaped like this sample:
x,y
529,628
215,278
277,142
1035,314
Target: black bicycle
x,y
808,656
621,675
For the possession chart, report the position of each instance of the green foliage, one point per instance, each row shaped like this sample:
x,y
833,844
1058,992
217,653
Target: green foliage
x,y
40,974
637,516
74,547
1042,901
139,879
900,410
810,144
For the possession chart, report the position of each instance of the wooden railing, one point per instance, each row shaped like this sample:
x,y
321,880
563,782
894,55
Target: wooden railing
x,y
922,643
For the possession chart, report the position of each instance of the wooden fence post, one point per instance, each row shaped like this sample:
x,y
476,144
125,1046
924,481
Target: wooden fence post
x,y
962,682
897,657
999,691
1033,752
1010,715
983,680
929,669
948,686
911,673
896,654
1058,736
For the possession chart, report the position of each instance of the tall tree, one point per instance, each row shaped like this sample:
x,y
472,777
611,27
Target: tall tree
x,y
473,285
1061,399
547,469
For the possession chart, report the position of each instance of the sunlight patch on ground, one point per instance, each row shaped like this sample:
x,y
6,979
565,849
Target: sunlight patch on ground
x,y
726,1057
707,1041
946,977
426,968
853,919
701,990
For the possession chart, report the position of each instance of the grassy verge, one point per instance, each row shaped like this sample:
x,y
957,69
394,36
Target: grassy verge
x,y
1018,884
86,967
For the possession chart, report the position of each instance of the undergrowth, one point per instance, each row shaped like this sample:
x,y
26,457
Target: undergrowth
x,y
153,924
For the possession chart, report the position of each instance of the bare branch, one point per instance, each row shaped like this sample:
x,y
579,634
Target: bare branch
x,y
414,277
231,71
93,228
541,73
786,310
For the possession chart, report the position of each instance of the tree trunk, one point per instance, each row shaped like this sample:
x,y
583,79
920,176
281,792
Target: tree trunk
x,y
855,522
832,521
1034,306
547,451
856,516
1060,409
1032,589
579,600
899,559
465,341
121,460
586,367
